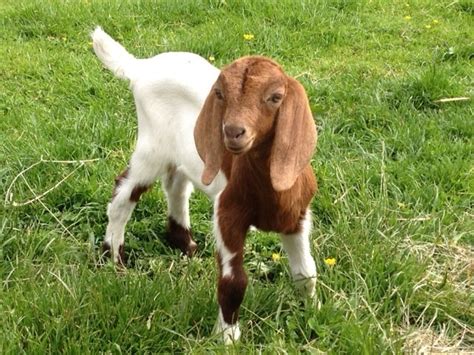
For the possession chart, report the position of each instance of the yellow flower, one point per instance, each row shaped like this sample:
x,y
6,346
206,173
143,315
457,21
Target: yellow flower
x,y
276,257
427,27
248,36
435,22
408,18
330,261
211,58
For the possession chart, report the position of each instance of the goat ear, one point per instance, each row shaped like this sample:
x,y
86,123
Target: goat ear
x,y
208,137
295,138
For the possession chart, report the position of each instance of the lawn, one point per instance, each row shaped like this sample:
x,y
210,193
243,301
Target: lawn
x,y
394,165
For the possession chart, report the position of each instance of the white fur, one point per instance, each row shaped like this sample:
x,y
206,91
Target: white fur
x,y
303,268
169,91
224,253
230,332
178,189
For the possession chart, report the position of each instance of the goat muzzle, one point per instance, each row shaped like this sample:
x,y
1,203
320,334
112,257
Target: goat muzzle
x,y
236,139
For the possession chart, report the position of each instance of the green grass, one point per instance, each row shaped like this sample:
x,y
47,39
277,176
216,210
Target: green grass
x,y
395,168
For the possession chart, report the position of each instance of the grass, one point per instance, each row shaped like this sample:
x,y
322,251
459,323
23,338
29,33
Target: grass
x,y
395,168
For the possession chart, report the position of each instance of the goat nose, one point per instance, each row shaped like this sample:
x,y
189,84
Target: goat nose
x,y
234,132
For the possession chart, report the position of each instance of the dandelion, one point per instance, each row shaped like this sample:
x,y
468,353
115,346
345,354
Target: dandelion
x,y
330,261
276,257
435,22
427,27
408,18
211,58
248,36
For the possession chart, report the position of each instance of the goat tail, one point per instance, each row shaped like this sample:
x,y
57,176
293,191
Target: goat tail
x,y
112,54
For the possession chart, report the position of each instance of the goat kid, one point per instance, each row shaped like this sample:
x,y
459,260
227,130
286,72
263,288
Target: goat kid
x,y
256,126
169,91
267,163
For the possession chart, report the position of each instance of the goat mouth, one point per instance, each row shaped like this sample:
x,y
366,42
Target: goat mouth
x,y
238,148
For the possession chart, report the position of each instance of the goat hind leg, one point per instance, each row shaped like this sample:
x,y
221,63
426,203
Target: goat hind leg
x,y
303,268
178,189
127,192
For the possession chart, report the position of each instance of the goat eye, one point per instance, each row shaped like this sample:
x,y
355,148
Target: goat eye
x,y
275,98
219,94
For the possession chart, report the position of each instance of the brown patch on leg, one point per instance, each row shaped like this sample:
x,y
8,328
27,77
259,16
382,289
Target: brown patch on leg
x,y
106,247
118,181
180,238
231,291
137,192
106,252
121,257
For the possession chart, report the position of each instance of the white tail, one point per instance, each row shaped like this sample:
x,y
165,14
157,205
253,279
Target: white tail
x,y
114,56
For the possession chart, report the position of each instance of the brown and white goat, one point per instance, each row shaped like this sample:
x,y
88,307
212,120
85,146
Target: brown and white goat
x,y
256,126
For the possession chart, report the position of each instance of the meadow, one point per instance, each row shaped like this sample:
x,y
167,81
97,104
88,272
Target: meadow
x,y
390,85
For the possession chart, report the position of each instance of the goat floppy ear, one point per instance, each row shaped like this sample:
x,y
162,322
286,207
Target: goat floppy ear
x,y
295,138
208,137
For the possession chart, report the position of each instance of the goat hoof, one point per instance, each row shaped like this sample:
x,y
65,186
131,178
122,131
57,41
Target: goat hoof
x,y
121,260
191,249
306,286
230,333
107,254
187,245
180,238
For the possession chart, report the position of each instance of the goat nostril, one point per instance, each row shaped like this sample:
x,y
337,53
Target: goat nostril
x,y
242,132
234,132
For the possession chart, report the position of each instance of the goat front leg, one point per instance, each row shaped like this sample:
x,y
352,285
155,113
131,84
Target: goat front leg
x,y
302,266
230,236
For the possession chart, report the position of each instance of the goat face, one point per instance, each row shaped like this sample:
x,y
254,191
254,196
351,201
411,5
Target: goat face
x,y
254,101
251,91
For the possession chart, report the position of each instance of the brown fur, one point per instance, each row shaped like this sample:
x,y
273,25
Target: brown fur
x,y
231,293
137,191
118,181
179,237
270,179
107,253
286,125
122,259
